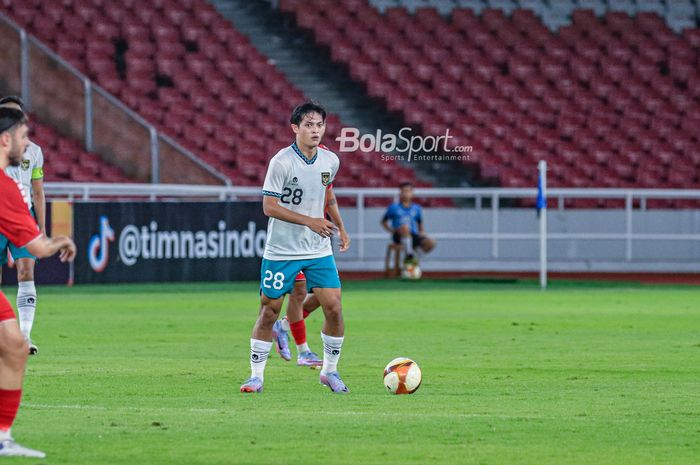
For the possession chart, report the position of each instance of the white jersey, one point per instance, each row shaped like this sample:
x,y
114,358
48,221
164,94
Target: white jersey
x,y
301,185
31,167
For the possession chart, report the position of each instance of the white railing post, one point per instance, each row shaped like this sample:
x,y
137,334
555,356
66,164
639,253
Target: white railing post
x,y
628,226
495,200
24,69
542,208
87,87
361,225
155,163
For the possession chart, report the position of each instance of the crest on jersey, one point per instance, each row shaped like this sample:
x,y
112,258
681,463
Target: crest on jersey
x,y
25,164
325,178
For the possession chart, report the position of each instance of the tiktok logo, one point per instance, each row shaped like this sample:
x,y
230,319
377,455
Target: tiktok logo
x,y
98,249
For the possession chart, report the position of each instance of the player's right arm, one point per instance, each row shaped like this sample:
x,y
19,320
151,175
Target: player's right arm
x,y
44,246
272,192
20,228
320,226
386,219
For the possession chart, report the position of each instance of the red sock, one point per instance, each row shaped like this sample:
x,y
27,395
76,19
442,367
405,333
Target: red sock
x,y
305,313
298,332
9,404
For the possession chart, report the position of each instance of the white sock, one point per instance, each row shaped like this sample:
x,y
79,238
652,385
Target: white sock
x,y
5,435
26,306
284,322
303,347
331,353
407,242
259,351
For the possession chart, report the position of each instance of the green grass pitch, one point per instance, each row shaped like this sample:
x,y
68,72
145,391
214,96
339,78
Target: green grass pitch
x,y
580,374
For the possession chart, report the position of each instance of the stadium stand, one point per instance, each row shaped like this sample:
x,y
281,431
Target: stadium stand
x,y
187,70
609,101
609,94
66,160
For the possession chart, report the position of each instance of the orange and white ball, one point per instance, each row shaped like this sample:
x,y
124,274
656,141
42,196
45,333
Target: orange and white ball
x,y
411,272
402,376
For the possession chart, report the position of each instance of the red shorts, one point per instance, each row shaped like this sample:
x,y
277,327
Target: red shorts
x,y
6,312
300,277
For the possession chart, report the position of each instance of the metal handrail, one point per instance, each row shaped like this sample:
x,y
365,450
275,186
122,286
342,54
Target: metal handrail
x,y
88,86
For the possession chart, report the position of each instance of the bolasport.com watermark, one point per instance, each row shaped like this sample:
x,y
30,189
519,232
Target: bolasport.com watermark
x,y
404,146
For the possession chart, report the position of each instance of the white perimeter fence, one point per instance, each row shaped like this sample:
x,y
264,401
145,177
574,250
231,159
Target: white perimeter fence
x,y
488,235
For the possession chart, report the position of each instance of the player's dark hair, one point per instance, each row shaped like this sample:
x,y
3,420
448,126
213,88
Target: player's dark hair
x,y
304,109
10,118
16,99
406,184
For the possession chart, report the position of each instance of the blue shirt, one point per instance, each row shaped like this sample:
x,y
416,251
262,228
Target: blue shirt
x,y
400,215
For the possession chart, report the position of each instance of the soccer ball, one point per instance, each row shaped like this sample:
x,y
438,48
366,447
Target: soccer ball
x,y
411,271
402,376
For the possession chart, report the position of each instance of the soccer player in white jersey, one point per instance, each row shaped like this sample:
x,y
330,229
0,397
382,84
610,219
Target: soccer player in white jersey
x,y
298,239
30,175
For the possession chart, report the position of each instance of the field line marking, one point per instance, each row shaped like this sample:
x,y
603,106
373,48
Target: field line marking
x,y
213,410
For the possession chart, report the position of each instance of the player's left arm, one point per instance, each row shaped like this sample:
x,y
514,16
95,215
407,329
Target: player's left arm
x,y
427,243
38,196
39,202
419,222
337,219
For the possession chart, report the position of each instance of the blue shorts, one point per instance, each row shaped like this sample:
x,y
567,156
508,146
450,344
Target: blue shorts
x,y
277,276
17,252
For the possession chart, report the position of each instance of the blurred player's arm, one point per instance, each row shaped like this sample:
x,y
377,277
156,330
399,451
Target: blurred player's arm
x,y
273,209
39,202
20,228
43,247
419,222
334,212
385,221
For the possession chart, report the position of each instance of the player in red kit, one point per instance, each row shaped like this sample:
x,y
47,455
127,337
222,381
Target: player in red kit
x,y
19,227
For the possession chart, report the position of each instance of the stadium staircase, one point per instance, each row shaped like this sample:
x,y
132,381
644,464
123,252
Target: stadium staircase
x,y
311,69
